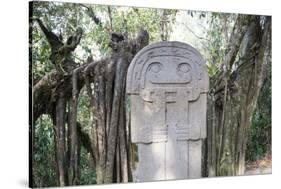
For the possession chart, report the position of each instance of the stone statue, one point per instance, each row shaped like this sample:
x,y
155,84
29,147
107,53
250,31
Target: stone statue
x,y
168,84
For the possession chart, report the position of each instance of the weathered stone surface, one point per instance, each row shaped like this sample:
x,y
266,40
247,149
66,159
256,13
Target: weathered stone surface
x,y
167,83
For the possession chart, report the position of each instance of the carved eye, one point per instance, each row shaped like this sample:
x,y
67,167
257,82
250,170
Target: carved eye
x,y
183,67
155,67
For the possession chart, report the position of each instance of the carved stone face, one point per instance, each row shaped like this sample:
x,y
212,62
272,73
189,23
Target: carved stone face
x,y
167,71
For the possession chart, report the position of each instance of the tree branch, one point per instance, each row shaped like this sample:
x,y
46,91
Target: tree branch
x,y
52,38
92,15
197,36
238,32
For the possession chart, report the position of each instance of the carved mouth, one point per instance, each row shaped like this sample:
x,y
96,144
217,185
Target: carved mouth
x,y
169,82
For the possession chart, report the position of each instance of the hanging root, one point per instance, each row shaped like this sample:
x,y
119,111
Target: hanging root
x,y
73,137
60,139
86,75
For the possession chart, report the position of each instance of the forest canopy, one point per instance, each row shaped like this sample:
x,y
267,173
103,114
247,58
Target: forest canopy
x,y
79,56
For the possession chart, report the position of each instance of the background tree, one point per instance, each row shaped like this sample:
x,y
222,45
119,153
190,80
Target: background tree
x,y
234,92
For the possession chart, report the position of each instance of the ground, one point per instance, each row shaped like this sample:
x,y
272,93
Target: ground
x,y
262,166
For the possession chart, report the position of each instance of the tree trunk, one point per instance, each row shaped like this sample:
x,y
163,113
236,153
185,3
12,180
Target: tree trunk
x,y
105,82
117,116
233,95
73,168
60,139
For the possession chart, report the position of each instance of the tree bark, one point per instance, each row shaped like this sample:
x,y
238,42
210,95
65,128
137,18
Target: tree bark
x,y
115,117
60,139
73,168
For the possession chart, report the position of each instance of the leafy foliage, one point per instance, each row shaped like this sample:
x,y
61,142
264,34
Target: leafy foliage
x,y
218,34
40,55
44,153
88,174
